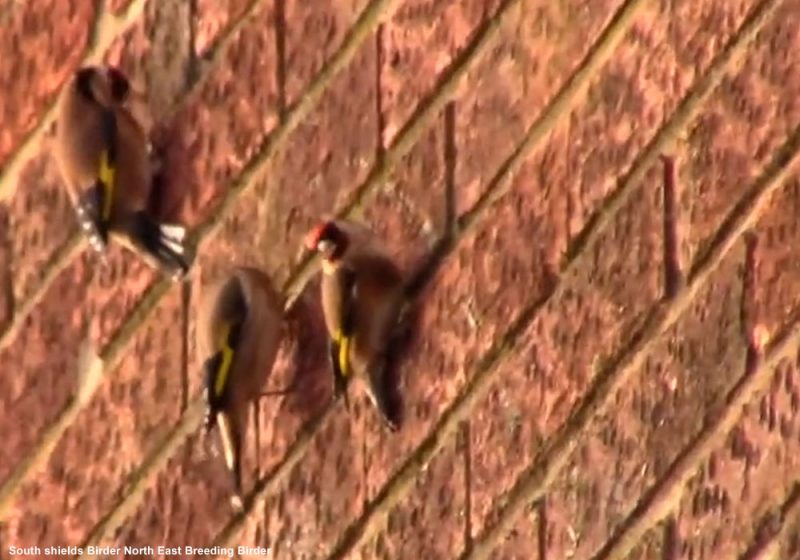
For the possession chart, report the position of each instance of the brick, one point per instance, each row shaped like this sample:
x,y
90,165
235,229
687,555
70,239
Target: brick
x,y
212,18
156,54
42,356
652,545
776,274
625,116
431,521
790,543
656,414
41,45
509,87
417,44
698,30
6,270
749,116
321,495
748,476
323,161
409,207
559,353
313,32
83,296
186,504
522,541
38,233
132,410
215,132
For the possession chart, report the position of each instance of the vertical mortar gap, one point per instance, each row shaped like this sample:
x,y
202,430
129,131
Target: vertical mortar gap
x,y
671,542
747,312
543,528
280,54
380,149
673,275
186,296
466,449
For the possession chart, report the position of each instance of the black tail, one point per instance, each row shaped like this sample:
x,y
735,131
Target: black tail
x,y
380,393
163,242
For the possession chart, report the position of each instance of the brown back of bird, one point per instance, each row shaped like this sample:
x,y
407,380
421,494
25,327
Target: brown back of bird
x,y
260,336
79,143
380,285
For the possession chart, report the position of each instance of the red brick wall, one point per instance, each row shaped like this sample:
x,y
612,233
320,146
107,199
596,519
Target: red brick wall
x,y
607,365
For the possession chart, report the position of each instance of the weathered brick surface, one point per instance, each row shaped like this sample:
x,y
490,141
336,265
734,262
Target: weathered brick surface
x,y
212,18
186,504
43,356
156,53
313,32
37,235
417,45
121,426
560,353
41,44
523,540
431,522
408,210
540,43
752,472
214,133
745,120
509,259
746,477
322,162
630,446
324,493
775,270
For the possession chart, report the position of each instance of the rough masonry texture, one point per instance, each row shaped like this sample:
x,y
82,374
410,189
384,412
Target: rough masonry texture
x,y
607,362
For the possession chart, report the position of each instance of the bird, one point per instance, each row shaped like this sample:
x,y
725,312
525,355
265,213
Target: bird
x,y
239,331
362,292
107,165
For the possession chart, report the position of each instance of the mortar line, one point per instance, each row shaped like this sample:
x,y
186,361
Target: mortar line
x,y
404,141
105,28
534,482
114,350
777,530
395,487
63,256
663,497
733,51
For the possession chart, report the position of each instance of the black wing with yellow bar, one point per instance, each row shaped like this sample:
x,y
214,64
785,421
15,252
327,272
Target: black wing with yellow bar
x,y
217,372
341,341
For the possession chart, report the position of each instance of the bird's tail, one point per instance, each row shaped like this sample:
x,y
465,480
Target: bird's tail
x,y
163,243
